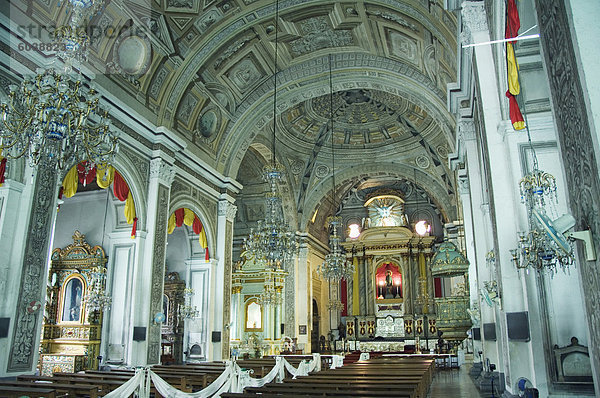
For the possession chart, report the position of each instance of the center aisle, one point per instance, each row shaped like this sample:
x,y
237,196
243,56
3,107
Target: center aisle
x,y
454,384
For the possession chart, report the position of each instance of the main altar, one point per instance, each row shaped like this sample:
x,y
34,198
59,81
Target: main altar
x,y
395,300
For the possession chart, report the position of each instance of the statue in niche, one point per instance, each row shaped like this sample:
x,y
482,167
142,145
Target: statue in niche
x,y
72,301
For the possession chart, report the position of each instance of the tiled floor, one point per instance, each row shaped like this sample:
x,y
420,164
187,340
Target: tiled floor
x,y
453,384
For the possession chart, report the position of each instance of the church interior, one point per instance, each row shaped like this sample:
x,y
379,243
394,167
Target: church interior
x,y
391,188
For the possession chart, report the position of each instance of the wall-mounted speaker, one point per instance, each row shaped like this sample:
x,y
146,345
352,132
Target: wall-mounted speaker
x,y
282,328
4,324
489,331
517,324
139,333
476,333
216,337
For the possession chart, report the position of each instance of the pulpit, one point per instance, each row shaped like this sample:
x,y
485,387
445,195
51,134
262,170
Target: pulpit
x,y
72,325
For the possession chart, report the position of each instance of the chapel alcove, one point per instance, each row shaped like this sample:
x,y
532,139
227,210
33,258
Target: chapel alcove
x,y
72,322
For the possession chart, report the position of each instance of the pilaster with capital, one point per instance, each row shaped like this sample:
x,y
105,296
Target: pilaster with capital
x,y
150,270
226,212
40,203
474,20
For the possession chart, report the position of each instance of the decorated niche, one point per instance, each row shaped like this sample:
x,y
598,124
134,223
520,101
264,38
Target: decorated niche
x,y
386,209
73,316
388,279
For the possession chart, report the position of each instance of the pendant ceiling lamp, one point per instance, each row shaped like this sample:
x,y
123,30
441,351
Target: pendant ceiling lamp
x,y
335,267
54,118
272,241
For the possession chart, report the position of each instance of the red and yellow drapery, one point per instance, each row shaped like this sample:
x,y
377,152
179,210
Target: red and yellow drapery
x,y
104,175
513,23
2,168
188,217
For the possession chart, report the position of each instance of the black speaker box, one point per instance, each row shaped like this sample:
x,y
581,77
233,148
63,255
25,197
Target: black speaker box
x,y
216,337
4,324
517,324
489,331
476,333
139,333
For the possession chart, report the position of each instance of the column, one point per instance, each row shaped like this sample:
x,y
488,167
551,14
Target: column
x,y
150,271
236,315
27,254
501,187
303,302
221,311
278,321
407,289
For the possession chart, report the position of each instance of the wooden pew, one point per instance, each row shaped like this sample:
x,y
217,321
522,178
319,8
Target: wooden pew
x,y
61,388
16,391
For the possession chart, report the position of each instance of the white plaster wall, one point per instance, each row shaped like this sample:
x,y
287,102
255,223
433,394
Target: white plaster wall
x,y
85,212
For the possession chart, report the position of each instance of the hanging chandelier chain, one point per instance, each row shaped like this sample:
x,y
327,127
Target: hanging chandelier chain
x,y
275,71
331,125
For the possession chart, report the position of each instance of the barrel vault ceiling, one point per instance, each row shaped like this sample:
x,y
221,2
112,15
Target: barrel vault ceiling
x,y
204,69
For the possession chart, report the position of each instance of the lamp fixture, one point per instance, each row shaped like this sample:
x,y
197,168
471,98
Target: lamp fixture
x,y
187,310
97,299
335,267
54,118
272,241
544,246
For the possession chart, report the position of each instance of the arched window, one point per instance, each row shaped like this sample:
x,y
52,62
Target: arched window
x,y
253,316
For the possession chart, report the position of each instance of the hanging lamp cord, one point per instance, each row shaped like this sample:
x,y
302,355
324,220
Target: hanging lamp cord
x,y
331,127
275,82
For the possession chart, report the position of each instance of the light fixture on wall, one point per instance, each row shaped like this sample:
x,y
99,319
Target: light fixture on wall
x,y
272,241
335,267
53,118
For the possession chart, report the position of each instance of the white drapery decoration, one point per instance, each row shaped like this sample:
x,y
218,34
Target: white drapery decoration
x,y
130,386
233,379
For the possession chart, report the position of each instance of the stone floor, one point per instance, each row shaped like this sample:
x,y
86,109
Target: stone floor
x,y
453,384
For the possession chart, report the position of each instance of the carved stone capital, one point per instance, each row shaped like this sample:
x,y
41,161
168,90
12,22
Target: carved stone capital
x,y
463,184
162,170
466,130
227,209
474,19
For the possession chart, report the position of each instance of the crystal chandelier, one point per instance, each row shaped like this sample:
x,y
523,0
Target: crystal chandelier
x,y
272,288
187,310
272,241
97,299
53,118
543,246
335,267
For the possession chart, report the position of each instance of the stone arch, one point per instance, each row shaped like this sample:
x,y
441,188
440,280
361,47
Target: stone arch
x,y
203,214
376,72
137,184
347,177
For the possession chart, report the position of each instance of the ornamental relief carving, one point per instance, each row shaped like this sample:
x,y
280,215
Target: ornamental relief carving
x,y
162,170
32,282
158,272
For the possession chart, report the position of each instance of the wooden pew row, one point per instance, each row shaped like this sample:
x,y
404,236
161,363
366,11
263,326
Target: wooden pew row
x,y
69,389
36,391
378,378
